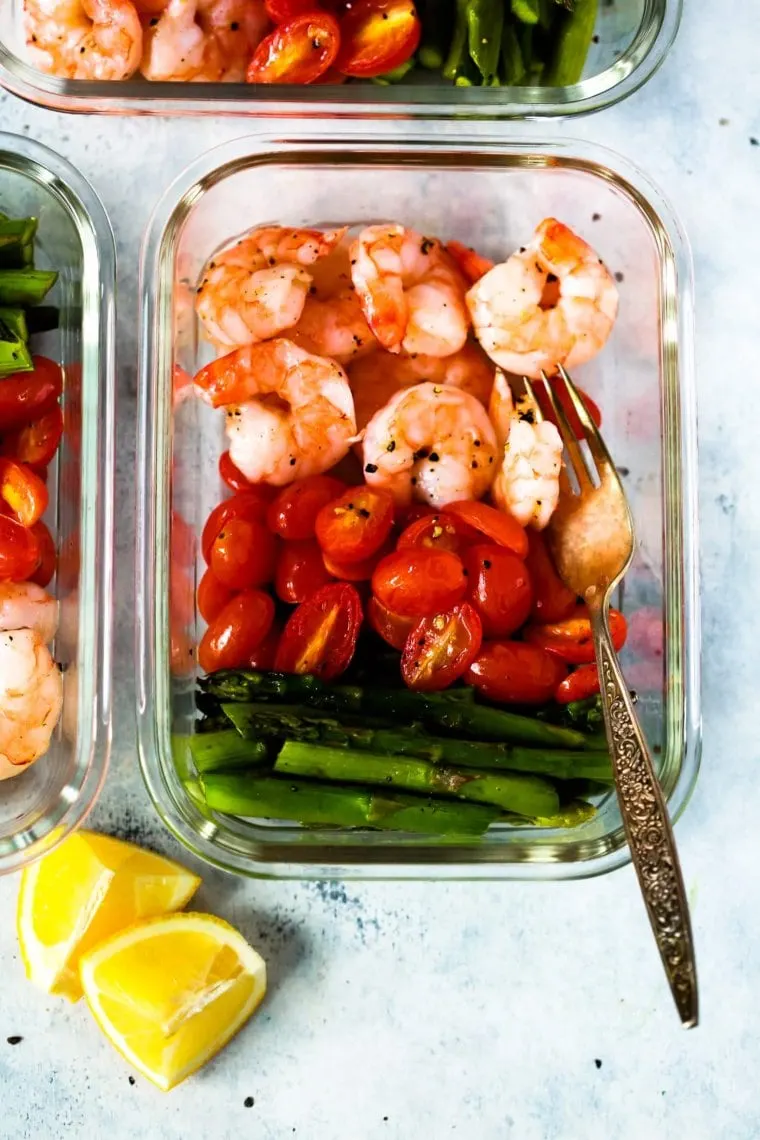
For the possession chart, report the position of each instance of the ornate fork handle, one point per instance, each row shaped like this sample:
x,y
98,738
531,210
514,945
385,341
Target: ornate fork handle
x,y
647,826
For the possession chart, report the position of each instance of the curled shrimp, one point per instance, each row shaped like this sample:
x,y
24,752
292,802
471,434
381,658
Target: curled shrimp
x,y
527,482
411,291
202,41
334,326
431,442
31,695
258,287
551,303
289,413
84,39
24,605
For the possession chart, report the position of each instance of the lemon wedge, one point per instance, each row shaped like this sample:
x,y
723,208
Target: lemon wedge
x,y
170,992
85,890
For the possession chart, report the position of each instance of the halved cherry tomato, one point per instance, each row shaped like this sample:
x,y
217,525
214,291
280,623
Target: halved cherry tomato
x,y
249,505
296,52
418,582
182,541
36,443
357,571
561,393
496,525
212,596
231,475
498,587
47,555
469,261
293,512
236,631
552,600
582,683
27,396
320,636
438,532
23,492
571,639
354,526
19,550
300,571
441,648
405,516
393,628
280,11
515,673
243,554
332,75
376,36
264,654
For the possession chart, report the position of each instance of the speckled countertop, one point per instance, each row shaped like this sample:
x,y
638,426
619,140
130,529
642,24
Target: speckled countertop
x,y
481,1011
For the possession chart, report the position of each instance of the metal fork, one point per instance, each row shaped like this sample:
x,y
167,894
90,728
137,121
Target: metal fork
x,y
592,538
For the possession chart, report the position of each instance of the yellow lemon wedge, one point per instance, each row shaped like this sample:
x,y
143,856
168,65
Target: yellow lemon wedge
x,y
85,890
170,992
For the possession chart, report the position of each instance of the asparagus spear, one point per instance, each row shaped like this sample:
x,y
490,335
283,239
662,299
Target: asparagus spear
x,y
527,11
312,803
457,57
14,352
524,795
278,722
14,320
219,751
485,20
25,286
17,242
573,39
437,17
454,710
513,67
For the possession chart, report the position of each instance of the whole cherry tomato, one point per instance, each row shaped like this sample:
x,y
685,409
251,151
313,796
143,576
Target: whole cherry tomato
x,y
441,648
212,597
243,554
300,571
470,263
356,571
515,673
298,52
572,639
27,396
236,631
354,526
293,512
439,531
264,654
320,636
23,492
235,479
48,557
552,600
19,550
582,683
496,525
248,505
418,581
377,36
393,628
499,588
280,11
37,442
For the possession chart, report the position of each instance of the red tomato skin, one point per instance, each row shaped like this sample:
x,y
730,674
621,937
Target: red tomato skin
x,y
334,656
438,532
281,11
23,492
181,655
247,505
563,399
572,639
496,525
646,633
264,654
396,39
300,571
48,557
356,571
293,513
19,551
355,526
27,396
583,682
405,516
393,628
515,673
552,600
36,443
243,554
236,631
212,597
182,541
462,631
235,479
499,588
311,41
418,582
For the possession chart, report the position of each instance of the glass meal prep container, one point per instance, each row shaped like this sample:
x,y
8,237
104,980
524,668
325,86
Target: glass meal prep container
x,y
490,195
632,37
43,804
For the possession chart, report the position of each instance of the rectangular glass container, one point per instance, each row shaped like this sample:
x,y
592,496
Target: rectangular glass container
x,y
632,37
488,194
43,804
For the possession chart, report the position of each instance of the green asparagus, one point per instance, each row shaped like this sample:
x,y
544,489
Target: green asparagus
x,y
25,286
220,751
17,242
457,57
14,352
485,20
437,21
572,40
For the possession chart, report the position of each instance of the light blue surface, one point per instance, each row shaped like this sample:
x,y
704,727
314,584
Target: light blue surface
x,y
418,1012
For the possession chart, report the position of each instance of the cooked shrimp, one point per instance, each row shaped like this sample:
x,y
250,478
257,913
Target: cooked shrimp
x,y
84,39
203,41
31,694
527,482
334,327
411,291
431,442
24,605
551,303
257,288
289,413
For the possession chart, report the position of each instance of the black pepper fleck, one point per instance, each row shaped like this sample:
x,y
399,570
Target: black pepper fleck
x,y
434,457
487,563
618,276
391,446
371,468
292,461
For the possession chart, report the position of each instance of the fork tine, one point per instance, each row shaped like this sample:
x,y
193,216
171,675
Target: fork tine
x,y
575,453
596,444
530,392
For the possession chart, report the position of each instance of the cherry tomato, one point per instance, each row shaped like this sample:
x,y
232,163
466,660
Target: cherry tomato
x,y
469,262
236,631
333,76
182,541
377,36
571,639
496,525
213,596
181,653
296,52
27,396
181,601
320,636
19,551
552,600
563,399
405,516
293,512
248,505
438,532
281,11
418,582
499,588
515,673
23,492
264,654
300,571
243,554
441,648
356,571
393,628
355,525
232,476
47,555
582,683
36,443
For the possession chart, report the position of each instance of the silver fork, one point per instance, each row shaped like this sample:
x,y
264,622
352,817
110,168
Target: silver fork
x,y
592,538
